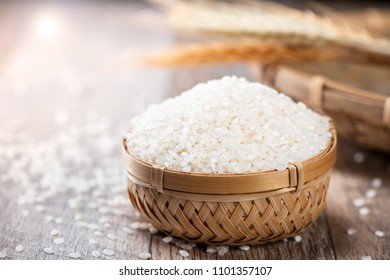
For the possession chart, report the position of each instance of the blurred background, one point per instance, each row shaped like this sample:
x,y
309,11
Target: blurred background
x,y
70,80
62,59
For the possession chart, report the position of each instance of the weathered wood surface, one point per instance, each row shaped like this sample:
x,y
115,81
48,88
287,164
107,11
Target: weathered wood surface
x,y
82,78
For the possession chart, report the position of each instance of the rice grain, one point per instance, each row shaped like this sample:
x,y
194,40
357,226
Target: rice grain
x,y
108,252
144,256
75,255
48,251
19,249
59,241
95,253
379,233
184,253
3,254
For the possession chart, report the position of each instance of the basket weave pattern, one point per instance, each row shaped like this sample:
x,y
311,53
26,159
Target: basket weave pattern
x,y
234,223
234,209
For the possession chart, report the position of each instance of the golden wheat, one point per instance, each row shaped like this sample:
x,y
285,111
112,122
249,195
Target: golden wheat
x,y
253,50
270,21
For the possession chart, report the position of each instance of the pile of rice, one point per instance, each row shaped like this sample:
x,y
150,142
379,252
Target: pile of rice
x,y
227,126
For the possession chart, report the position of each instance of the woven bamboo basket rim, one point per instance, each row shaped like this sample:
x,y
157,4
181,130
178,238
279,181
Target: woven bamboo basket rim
x,y
324,94
230,186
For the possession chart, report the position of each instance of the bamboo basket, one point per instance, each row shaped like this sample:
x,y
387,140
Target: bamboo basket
x,y
233,209
360,116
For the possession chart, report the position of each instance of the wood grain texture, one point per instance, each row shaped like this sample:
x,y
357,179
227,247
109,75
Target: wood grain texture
x,y
91,73
350,181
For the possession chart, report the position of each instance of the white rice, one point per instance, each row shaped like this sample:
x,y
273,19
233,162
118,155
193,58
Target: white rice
x,y
379,233
48,251
298,238
359,157
144,256
228,126
364,211
108,252
222,250
19,248
95,253
92,241
3,254
75,255
59,241
167,239
244,248
211,250
184,253
111,236
359,202
376,183
370,193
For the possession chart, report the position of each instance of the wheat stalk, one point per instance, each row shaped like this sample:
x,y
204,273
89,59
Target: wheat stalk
x,y
251,50
273,22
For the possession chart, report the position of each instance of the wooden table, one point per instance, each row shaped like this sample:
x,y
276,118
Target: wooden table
x,y
68,87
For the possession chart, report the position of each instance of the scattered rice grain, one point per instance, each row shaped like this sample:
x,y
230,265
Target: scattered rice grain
x,y
184,253
371,193
364,211
211,250
59,241
379,233
359,202
186,247
135,225
376,183
95,253
167,239
19,249
144,256
92,241
222,250
108,252
3,254
75,255
59,220
244,247
92,226
128,230
98,233
48,251
112,236
54,232
298,238
351,231
359,157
